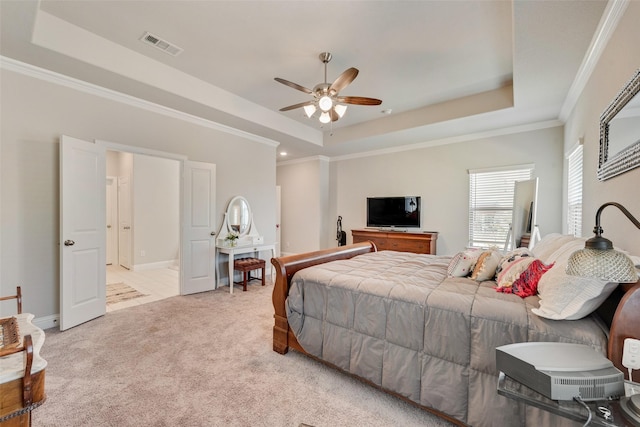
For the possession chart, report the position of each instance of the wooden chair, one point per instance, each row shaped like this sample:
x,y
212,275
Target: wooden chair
x,y
17,296
246,266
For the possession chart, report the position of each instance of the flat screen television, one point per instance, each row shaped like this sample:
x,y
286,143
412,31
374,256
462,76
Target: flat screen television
x,y
401,212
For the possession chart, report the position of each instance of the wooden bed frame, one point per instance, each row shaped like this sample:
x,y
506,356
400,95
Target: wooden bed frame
x,y
621,311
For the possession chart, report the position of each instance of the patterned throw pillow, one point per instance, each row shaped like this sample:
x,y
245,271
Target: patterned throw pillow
x,y
525,282
485,268
461,265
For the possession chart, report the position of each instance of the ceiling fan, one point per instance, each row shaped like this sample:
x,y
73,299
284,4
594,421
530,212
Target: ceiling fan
x,y
326,95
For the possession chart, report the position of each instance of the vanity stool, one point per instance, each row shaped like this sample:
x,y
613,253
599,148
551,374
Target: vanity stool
x,y
247,265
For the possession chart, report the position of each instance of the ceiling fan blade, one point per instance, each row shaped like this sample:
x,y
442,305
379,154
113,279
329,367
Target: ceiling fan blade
x,y
343,80
293,85
358,100
294,106
334,115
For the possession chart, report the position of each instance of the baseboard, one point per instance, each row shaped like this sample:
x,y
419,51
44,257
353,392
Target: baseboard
x,y
155,265
47,322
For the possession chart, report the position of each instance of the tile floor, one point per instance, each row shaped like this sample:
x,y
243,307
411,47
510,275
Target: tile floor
x,y
156,284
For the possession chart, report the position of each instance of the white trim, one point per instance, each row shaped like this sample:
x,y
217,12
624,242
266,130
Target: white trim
x,y
114,146
154,265
304,160
82,86
608,23
453,140
574,147
530,166
47,322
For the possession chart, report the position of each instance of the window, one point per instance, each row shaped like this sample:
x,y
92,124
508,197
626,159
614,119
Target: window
x,y
491,203
574,192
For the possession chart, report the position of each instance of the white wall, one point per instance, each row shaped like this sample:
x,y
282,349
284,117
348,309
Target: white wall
x,y
156,210
438,174
36,112
615,67
305,205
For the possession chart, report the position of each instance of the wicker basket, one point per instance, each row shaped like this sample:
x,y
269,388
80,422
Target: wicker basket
x,y
9,336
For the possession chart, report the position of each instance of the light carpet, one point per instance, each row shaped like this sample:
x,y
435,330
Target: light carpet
x,y
202,360
118,292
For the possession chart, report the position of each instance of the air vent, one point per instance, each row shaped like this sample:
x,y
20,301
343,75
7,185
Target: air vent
x,y
163,45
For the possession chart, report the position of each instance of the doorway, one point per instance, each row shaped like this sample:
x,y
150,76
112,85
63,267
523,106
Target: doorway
x,y
83,224
143,229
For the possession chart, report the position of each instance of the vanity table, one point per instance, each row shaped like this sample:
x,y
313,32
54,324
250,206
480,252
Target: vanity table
x,y
238,222
232,251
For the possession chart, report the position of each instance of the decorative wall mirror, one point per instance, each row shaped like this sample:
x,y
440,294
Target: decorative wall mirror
x,y
238,222
620,132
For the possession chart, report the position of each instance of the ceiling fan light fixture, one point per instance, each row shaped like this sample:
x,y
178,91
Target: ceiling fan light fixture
x,y
325,103
309,110
325,117
340,110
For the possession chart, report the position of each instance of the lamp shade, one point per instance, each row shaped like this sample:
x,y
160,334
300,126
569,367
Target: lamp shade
x,y
605,264
599,259
325,118
340,109
309,110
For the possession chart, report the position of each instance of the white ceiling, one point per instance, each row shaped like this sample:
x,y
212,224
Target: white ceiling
x,y
446,69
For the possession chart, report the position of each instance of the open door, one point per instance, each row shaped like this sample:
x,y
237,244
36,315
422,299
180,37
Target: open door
x,y
199,229
82,231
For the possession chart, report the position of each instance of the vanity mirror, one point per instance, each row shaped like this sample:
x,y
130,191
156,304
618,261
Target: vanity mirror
x,y
238,222
620,132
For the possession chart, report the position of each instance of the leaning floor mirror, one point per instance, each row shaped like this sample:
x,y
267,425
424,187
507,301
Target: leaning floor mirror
x,y
620,132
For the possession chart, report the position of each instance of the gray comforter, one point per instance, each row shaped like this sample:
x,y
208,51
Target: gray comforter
x,y
397,320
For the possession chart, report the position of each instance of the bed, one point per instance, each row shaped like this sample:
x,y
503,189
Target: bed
x,y
401,322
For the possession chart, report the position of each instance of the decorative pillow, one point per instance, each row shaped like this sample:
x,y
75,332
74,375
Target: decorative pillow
x,y
485,268
512,256
462,263
526,284
508,271
570,297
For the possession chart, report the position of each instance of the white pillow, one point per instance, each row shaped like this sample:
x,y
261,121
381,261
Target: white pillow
x,y
549,244
561,255
565,297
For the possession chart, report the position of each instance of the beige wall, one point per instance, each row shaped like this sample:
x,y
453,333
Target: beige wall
x,y
440,176
620,60
304,201
36,112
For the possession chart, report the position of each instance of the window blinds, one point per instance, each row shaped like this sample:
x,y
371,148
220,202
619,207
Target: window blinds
x,y
491,204
574,192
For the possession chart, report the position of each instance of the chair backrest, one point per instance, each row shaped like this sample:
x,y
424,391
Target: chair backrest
x,y
17,297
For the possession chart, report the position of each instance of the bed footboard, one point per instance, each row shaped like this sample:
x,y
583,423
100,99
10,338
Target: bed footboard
x,y
286,267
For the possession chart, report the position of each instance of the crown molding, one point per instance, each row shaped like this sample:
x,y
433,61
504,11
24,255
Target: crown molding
x,y
304,160
49,76
608,23
529,127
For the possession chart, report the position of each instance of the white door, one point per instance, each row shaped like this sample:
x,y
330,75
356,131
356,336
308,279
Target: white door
x,y
112,219
198,233
82,232
124,222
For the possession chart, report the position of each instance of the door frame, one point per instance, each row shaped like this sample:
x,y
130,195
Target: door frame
x,y
113,146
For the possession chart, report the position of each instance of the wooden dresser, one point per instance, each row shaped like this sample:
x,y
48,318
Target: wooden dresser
x,y
421,243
